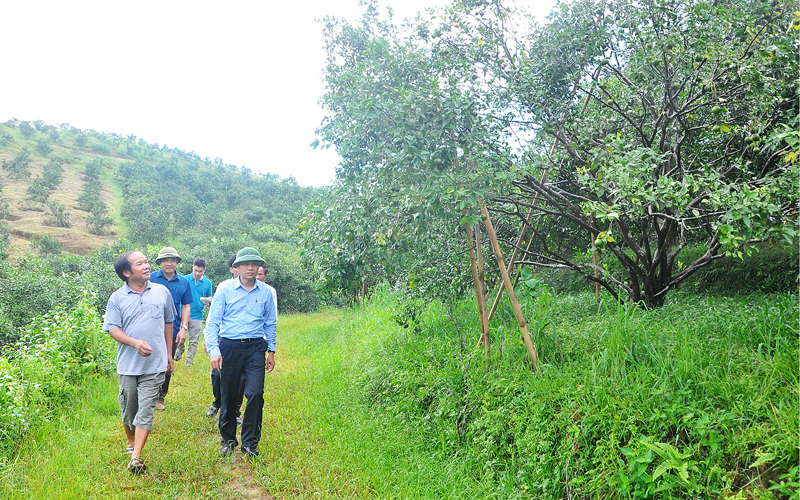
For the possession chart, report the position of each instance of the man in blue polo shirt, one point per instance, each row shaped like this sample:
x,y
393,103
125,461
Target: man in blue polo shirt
x,y
178,286
201,294
240,337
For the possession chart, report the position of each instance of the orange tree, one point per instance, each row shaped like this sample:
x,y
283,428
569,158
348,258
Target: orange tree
x,y
647,126
417,155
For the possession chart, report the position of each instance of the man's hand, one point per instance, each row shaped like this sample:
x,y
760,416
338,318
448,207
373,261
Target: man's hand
x,y
216,363
181,335
143,348
270,361
170,365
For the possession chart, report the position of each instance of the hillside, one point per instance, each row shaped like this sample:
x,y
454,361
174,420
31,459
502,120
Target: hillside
x,y
136,190
26,220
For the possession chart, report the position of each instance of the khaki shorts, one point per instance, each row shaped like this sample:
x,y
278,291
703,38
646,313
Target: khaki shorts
x,y
138,395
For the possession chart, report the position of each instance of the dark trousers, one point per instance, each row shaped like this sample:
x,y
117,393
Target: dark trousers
x,y
168,375
243,365
215,390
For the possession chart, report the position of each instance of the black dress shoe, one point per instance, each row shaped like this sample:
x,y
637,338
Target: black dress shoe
x,y
227,448
251,452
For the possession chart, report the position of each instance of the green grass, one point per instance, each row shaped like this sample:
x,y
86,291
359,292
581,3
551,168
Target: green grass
x,y
79,454
360,407
626,399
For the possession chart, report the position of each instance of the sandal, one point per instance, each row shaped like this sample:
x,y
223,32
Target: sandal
x,y
128,450
137,466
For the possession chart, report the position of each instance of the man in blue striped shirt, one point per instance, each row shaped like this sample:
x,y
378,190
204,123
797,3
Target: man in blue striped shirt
x,y
240,338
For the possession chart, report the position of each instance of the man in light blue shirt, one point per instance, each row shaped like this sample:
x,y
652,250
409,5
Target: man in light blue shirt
x,y
240,338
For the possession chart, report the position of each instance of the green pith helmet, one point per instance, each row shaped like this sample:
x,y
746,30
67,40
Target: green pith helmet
x,y
247,254
167,252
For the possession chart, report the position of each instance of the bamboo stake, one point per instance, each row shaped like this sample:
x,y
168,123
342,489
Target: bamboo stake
x,y
482,297
511,262
594,261
477,277
510,289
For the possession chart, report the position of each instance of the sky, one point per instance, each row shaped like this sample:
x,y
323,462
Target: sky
x,y
238,80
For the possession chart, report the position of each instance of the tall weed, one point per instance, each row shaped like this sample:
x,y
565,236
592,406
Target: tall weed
x,y
696,399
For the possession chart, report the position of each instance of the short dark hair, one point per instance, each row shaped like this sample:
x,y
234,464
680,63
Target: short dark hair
x,y
122,264
264,267
199,262
231,260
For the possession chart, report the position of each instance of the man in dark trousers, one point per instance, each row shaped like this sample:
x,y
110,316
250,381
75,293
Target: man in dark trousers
x,y
214,408
178,286
240,337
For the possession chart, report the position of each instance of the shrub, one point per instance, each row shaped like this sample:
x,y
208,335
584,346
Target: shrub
x,y
5,236
100,147
45,369
48,246
768,270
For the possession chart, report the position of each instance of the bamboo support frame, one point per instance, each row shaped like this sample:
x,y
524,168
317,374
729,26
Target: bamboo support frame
x,y
510,289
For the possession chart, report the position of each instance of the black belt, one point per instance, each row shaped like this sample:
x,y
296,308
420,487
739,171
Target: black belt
x,y
250,339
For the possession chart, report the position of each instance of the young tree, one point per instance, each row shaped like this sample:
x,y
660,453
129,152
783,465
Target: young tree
x,y
98,220
43,148
19,167
26,129
90,196
93,170
38,190
52,174
59,215
408,116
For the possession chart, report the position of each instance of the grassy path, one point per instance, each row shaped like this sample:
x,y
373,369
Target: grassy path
x,y
80,456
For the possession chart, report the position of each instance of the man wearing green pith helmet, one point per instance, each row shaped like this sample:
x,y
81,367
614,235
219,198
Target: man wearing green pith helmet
x,y
240,338
178,286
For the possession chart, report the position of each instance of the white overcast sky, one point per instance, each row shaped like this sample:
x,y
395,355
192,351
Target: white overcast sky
x,y
239,80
